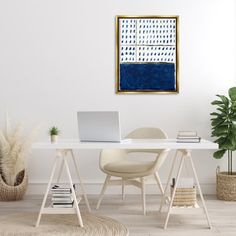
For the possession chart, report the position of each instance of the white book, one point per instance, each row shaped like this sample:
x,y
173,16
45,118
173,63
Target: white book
x,y
189,140
62,195
61,200
187,137
187,134
61,190
63,206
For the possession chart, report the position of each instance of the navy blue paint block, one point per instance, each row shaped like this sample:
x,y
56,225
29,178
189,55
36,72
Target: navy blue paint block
x,y
156,77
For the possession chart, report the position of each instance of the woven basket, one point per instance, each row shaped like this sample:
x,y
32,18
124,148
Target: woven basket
x,y
17,192
226,186
184,196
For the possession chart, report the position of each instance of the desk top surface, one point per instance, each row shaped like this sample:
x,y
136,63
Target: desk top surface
x,y
125,144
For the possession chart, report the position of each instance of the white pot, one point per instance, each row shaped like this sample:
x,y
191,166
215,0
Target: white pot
x,y
54,138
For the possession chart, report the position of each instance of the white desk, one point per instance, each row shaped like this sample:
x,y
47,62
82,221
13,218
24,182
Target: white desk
x,y
63,147
129,144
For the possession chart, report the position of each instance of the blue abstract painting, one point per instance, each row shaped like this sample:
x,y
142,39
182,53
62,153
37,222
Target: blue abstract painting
x,y
147,59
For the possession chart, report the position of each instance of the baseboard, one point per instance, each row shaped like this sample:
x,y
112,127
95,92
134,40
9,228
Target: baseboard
x,y
93,186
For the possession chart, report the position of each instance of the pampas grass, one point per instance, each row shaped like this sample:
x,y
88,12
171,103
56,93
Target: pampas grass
x,y
13,151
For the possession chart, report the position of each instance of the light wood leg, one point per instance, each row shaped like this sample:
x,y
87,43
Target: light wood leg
x,y
60,171
163,199
123,189
80,180
174,190
47,191
200,191
143,195
73,193
103,190
157,177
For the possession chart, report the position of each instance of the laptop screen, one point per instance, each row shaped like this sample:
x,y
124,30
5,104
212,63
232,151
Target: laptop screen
x,y
99,126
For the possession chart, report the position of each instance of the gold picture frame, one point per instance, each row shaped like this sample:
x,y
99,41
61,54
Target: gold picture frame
x,y
147,54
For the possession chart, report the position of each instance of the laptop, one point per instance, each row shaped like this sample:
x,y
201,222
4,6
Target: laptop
x,y
99,126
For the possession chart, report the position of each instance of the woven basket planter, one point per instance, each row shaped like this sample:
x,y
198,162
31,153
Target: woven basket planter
x,y
226,186
17,192
184,196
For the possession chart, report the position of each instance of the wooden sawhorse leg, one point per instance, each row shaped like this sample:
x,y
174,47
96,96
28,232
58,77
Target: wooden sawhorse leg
x,y
81,183
185,154
73,192
75,162
47,191
61,154
164,197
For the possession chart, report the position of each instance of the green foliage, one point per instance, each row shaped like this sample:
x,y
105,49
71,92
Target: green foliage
x,y
223,123
232,94
54,131
219,154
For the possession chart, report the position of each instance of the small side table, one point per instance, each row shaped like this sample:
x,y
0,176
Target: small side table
x,y
62,155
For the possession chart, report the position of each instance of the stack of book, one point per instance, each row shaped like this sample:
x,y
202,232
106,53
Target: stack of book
x,y
188,137
61,197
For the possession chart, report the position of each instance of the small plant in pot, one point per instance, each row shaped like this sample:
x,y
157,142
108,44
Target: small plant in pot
x,y
223,123
54,132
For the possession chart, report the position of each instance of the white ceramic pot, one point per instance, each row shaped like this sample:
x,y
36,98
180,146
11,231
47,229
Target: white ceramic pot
x,y
54,138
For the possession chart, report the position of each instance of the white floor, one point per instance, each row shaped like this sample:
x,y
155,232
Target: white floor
x,y
129,212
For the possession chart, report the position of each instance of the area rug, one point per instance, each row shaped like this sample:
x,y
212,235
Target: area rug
x,y
22,224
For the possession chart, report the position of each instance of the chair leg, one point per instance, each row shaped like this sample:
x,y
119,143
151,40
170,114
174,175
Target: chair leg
x,y
103,190
123,189
143,195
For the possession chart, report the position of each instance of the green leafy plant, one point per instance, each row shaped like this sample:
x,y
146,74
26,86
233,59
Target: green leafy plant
x,y
54,131
223,123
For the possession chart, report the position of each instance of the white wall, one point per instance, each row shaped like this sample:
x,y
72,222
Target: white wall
x,y
57,57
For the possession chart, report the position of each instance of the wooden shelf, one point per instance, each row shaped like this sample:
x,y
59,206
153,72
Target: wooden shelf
x,y
61,210
61,155
186,210
54,210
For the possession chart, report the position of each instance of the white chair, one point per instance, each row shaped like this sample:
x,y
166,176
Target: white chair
x,y
132,172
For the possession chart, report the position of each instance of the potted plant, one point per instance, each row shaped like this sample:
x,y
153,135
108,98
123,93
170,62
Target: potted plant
x,y
223,123
54,131
14,148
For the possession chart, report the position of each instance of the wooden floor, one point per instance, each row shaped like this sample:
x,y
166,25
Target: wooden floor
x,y
128,211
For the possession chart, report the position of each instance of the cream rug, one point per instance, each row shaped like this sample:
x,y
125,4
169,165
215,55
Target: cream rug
x,y
22,224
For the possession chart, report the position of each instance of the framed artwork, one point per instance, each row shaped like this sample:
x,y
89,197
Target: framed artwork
x,y
147,54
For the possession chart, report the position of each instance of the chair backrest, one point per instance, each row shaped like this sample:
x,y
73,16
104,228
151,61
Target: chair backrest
x,y
150,133
140,133
111,155
146,133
